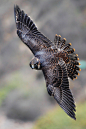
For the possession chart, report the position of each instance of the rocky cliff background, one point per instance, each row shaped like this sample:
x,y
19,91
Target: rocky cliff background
x,y
23,95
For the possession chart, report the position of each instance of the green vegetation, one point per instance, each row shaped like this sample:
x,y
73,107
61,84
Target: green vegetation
x,y
4,92
15,81
9,86
57,119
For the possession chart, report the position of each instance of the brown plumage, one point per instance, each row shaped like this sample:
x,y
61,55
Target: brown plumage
x,y
56,59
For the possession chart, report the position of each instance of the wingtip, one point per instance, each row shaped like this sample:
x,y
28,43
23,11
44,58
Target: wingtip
x,y
73,115
16,11
16,7
74,118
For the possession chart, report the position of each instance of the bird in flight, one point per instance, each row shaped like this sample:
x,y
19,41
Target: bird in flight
x,y
57,60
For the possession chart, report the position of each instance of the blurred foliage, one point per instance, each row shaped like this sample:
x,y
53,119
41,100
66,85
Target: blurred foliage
x,y
5,89
4,92
14,82
57,119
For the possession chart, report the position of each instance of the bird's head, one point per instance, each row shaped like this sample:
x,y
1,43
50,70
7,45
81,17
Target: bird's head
x,y
35,64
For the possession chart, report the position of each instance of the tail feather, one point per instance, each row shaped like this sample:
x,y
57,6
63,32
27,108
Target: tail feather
x,y
63,42
67,46
73,69
57,40
70,50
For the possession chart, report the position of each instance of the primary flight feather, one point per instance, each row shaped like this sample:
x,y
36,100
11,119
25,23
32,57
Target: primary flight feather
x,y
57,60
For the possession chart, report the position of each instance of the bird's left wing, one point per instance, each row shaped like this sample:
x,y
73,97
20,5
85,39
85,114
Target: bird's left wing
x,y
28,33
58,86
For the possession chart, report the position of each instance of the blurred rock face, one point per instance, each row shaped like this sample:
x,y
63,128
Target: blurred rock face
x,y
64,17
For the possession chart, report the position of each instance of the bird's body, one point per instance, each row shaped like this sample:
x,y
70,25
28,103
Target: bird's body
x,y
56,59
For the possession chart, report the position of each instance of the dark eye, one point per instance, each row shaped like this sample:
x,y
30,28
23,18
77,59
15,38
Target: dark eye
x,y
36,66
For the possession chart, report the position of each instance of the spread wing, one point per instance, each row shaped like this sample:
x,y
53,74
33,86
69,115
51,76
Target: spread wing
x,y
28,33
58,86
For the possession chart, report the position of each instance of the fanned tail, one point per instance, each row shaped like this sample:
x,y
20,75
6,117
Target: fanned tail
x,y
68,55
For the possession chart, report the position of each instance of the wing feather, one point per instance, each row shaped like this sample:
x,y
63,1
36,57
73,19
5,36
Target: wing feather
x,y
61,92
28,33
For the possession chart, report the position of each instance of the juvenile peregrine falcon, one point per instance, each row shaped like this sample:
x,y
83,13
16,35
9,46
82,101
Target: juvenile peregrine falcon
x,y
57,60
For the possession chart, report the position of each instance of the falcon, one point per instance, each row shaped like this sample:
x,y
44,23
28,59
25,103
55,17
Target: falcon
x,y
57,60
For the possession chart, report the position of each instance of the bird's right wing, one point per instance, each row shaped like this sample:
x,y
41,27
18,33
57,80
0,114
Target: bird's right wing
x,y
28,33
58,86
65,99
